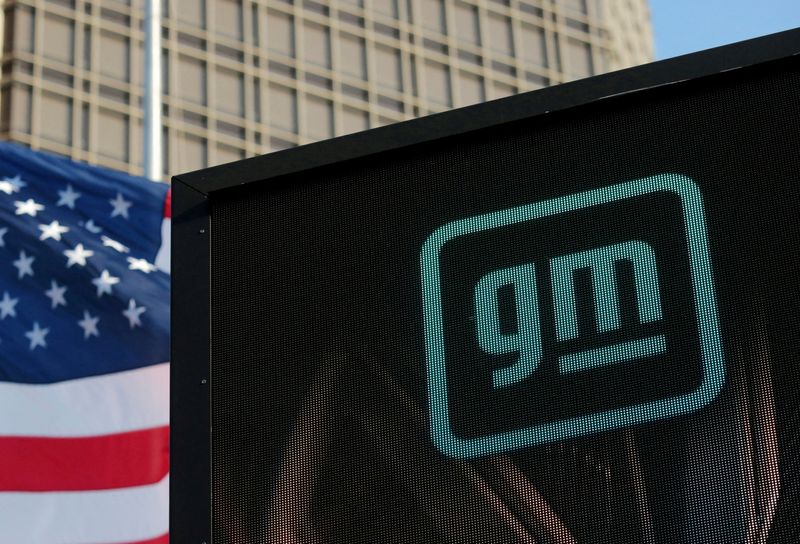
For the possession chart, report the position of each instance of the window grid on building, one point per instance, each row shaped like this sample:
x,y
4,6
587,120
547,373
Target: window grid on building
x,y
246,77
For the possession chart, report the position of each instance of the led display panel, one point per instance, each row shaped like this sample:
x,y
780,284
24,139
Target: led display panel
x,y
571,316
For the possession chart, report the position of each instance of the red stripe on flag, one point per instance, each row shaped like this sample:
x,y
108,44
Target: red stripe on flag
x,y
163,539
79,464
168,204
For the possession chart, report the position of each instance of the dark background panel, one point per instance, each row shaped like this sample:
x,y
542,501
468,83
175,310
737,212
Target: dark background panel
x,y
318,349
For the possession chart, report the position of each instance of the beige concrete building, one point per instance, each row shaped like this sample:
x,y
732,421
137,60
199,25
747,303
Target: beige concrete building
x,y
245,77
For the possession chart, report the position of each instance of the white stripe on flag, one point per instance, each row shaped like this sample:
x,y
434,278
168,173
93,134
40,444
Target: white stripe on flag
x,y
86,517
163,257
114,403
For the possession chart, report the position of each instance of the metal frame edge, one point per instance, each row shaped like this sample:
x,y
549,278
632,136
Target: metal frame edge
x,y
190,398
514,108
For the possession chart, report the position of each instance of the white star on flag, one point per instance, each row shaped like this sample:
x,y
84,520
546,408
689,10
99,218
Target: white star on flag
x,y
36,336
113,244
7,306
89,325
24,265
12,185
91,227
54,230
56,294
29,207
120,206
76,374
78,255
67,197
140,264
104,283
133,313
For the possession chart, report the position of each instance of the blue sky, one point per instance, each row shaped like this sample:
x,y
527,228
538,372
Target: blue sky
x,y
684,26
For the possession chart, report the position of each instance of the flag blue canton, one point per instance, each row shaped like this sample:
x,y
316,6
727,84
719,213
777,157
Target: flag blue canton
x,y
79,293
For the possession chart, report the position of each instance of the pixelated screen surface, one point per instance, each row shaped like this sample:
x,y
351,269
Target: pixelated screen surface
x,y
576,328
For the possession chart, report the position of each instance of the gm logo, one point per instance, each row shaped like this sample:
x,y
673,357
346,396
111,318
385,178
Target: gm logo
x,y
572,316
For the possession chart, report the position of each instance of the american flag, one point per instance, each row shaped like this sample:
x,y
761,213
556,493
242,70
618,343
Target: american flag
x,y
84,348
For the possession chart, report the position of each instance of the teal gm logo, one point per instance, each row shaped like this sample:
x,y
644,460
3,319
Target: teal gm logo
x,y
571,316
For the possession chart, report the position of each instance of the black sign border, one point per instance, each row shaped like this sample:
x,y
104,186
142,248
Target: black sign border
x,y
193,194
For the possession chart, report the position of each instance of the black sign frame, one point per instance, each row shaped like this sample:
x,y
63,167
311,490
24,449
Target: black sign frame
x,y
193,195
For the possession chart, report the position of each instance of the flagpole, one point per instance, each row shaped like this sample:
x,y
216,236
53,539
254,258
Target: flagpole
x,y
153,166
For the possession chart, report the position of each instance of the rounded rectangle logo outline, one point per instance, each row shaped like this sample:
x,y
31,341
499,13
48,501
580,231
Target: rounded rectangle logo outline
x,y
705,311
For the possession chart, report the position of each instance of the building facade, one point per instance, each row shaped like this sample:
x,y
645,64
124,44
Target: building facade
x,y
246,77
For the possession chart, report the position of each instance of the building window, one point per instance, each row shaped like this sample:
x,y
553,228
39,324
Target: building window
x,y
191,80
280,33
282,112
579,58
20,110
354,120
533,44
228,18
254,35
23,32
470,88
316,45
318,118
106,92
255,114
229,92
575,5
467,29
85,127
276,144
165,88
112,127
191,151
226,153
385,7
57,77
533,10
191,118
388,69
501,90
352,56
500,38
390,104
165,155
191,12
114,54
437,82
433,16
60,34
55,118
536,81
87,47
